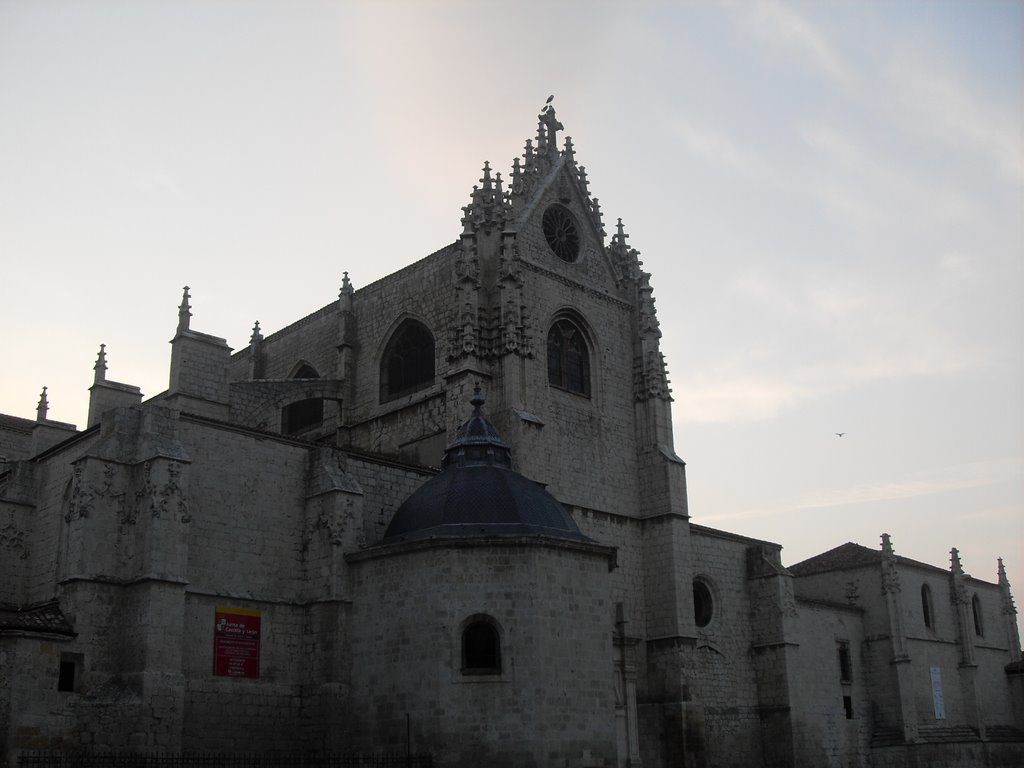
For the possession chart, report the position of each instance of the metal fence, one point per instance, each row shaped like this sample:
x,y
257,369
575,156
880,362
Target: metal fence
x,y
213,760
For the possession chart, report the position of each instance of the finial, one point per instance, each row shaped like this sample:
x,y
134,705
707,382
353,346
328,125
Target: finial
x,y
569,152
498,191
1000,569
256,337
886,540
478,399
346,284
528,155
596,208
584,183
101,364
44,406
954,561
184,311
486,180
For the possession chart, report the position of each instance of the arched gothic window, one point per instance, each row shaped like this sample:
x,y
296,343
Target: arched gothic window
x,y
481,648
703,604
568,358
304,413
979,624
927,609
408,361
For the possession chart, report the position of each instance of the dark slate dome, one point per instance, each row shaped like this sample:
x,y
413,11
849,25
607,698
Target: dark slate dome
x,y
477,494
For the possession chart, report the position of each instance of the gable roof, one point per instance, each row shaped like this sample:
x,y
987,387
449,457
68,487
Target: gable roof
x,y
850,556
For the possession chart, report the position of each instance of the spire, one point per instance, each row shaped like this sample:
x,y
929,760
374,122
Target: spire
x,y
486,180
487,205
477,401
570,154
596,209
101,364
886,544
477,441
256,337
44,406
184,311
954,562
890,577
345,294
584,182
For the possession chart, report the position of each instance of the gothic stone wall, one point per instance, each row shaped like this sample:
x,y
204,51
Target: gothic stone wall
x,y
552,704
824,736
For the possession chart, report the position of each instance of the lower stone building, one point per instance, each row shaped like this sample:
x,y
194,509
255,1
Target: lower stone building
x,y
445,513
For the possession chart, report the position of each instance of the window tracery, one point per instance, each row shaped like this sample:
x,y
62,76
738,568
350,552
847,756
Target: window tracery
x,y
408,361
568,358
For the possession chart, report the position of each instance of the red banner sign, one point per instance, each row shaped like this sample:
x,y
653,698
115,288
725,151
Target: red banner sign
x,y
236,642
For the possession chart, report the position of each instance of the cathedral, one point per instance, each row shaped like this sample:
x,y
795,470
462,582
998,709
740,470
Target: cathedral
x,y
444,513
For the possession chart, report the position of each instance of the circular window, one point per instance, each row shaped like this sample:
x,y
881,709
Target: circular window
x,y
561,232
703,605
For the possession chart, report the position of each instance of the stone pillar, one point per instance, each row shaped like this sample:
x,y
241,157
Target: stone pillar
x,y
105,395
46,433
199,369
900,659
773,617
968,668
627,721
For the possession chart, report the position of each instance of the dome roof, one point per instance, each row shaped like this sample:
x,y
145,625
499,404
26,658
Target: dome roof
x,y
477,494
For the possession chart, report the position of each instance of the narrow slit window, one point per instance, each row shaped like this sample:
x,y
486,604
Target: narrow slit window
x,y
927,610
845,664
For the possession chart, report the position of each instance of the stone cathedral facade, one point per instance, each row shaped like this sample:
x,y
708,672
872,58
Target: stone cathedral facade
x,y
445,510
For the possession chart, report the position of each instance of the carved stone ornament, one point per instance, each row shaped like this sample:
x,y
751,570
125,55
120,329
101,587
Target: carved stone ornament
x,y
890,577
81,498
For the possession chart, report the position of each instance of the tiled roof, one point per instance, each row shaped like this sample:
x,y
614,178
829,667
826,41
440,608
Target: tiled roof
x,y
39,618
848,555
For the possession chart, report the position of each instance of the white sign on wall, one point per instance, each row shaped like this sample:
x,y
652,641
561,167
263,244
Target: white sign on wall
x,y
940,707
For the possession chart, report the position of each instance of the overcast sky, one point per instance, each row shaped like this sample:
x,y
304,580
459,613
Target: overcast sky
x,y
829,196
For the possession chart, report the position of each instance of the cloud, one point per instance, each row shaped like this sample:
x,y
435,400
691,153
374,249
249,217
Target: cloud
x,y
941,480
779,25
952,114
717,148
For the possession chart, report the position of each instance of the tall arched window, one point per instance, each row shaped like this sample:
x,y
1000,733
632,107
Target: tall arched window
x,y
568,358
979,624
703,604
481,648
304,413
927,610
408,361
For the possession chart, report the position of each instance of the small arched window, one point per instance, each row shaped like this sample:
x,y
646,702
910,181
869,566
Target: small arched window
x,y
408,361
568,358
481,648
979,624
703,604
927,610
304,413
